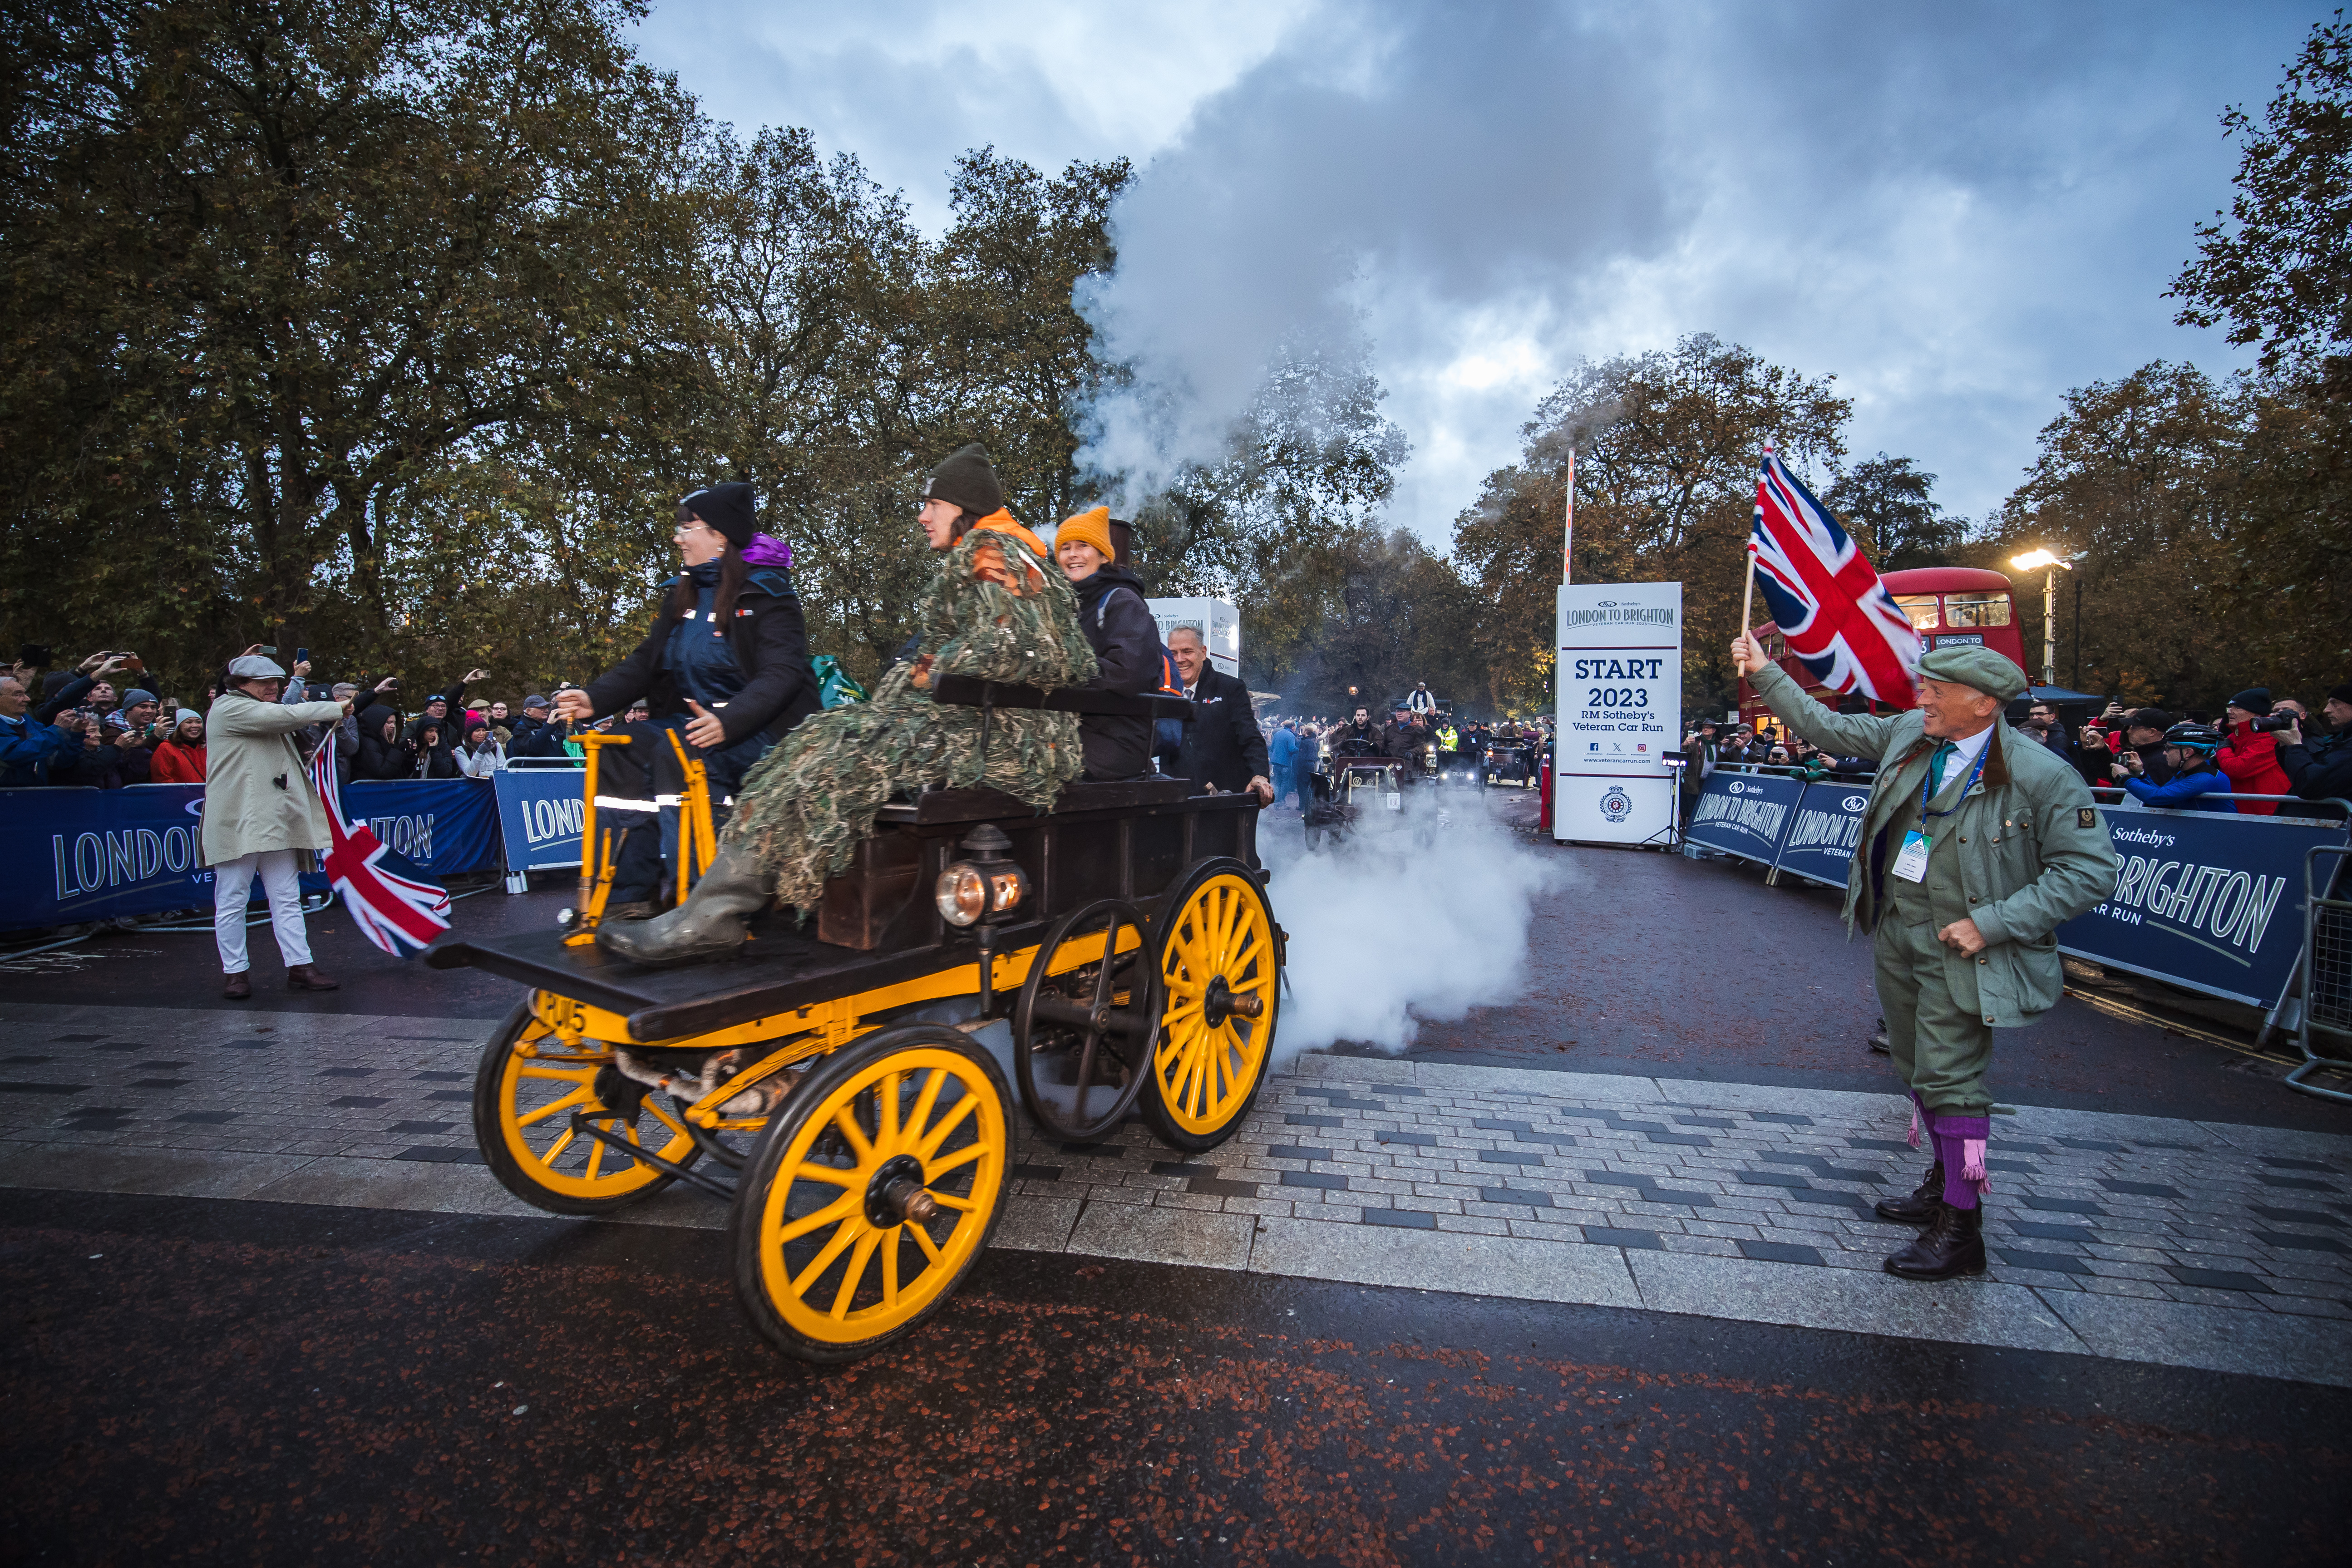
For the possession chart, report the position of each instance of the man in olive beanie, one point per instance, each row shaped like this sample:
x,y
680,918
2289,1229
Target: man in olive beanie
x,y
1977,844
968,480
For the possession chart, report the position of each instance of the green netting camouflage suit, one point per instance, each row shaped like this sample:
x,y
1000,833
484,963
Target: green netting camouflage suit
x,y
997,611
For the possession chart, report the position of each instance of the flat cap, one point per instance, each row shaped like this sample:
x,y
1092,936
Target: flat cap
x,y
1988,671
254,666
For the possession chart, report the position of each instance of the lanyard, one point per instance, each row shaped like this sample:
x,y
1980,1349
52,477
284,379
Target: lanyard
x,y
1927,784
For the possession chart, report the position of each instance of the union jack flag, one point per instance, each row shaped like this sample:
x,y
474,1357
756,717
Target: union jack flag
x,y
392,913
1836,615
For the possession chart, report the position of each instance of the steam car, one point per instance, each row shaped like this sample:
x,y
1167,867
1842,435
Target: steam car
x,y
845,1086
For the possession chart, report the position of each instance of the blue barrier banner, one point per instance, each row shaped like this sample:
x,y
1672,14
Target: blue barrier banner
x,y
1747,814
540,811
1820,842
2205,899
73,855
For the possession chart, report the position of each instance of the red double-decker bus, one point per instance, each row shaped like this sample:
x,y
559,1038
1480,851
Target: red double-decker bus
x,y
1948,606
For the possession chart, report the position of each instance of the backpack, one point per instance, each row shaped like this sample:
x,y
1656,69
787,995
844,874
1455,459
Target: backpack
x,y
834,683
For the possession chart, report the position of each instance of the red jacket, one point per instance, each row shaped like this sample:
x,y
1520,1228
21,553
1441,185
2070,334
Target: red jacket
x,y
2250,759
176,764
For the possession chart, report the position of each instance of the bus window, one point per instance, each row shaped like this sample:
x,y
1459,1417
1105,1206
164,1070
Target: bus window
x,y
1920,607
1974,610
1775,646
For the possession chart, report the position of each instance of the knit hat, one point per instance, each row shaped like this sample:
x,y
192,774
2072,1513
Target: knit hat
x,y
184,715
729,508
1089,528
967,479
135,696
2342,694
1989,672
2254,700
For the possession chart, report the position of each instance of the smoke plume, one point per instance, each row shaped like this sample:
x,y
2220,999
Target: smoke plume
x,y
1384,935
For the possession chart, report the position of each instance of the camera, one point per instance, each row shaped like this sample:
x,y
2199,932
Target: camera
x,y
2274,721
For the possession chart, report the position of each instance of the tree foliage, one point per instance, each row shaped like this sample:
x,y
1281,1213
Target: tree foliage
x,y
1888,505
1667,446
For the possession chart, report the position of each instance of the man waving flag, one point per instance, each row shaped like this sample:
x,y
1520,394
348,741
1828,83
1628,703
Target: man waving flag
x,y
1829,604
396,914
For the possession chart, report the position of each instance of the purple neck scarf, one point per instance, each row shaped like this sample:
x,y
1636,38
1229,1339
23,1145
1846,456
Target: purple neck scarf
x,y
766,549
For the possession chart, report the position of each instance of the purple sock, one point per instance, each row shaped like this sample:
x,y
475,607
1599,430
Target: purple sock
x,y
1960,1143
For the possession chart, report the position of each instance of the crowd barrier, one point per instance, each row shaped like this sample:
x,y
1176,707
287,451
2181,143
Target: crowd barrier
x,y
2210,900
73,855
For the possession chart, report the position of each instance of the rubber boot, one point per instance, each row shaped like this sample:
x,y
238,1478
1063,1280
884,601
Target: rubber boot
x,y
710,925
1921,1205
1951,1245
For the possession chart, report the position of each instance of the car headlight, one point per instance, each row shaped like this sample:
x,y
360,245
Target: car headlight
x,y
961,893
964,891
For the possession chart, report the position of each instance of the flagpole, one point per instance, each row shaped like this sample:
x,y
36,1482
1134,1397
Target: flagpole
x,y
1747,594
1568,534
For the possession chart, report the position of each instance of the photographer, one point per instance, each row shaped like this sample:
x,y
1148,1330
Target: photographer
x,y
2250,752
535,735
260,815
480,755
2321,768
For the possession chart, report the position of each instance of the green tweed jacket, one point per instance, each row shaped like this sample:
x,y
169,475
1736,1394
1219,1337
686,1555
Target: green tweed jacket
x,y
2035,851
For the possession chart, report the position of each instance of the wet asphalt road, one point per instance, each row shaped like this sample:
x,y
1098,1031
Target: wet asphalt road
x,y
278,1383
272,1382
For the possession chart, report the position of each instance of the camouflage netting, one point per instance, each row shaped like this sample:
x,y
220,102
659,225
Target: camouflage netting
x,y
997,611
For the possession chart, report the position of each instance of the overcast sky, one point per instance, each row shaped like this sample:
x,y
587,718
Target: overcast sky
x,y
1960,211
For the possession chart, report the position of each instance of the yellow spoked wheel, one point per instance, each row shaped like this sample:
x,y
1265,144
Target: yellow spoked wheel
x,y
1219,961
872,1192
525,1092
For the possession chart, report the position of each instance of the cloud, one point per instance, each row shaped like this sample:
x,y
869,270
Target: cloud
x,y
1958,212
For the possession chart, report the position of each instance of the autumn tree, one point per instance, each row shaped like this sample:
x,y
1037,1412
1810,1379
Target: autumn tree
x,y
274,265
1667,447
1888,505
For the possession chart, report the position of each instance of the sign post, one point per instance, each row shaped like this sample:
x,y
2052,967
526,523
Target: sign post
x,y
1621,701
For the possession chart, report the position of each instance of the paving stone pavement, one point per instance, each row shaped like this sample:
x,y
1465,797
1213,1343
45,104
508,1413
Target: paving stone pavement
x,y
2180,1242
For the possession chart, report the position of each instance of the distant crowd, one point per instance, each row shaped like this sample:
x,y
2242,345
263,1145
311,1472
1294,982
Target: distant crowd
x,y
2260,746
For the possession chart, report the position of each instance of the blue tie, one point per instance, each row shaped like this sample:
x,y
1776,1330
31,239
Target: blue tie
x,y
1936,768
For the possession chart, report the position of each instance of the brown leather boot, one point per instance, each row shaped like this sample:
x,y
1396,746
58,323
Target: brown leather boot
x,y
302,977
1921,1205
1951,1245
237,988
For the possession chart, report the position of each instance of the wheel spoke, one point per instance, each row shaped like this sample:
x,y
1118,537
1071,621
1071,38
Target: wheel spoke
x,y
576,1075
595,1158
934,1169
834,1212
854,1275
815,1171
665,1119
580,1096
826,1254
886,1135
844,1120
948,1123
950,1201
889,1269
923,1239
927,1102
558,1147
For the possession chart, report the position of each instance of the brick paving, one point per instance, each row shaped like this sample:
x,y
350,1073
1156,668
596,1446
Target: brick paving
x,y
1557,1186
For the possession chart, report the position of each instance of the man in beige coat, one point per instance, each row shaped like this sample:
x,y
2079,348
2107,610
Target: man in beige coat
x,y
262,817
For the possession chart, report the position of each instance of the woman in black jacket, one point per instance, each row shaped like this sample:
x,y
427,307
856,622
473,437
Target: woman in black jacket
x,y
1119,625
382,753
727,662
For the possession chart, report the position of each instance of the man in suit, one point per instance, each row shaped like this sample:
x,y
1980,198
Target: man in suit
x,y
1222,748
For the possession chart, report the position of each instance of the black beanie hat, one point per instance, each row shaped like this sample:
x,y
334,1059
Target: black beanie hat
x,y
2254,700
727,508
967,480
2342,694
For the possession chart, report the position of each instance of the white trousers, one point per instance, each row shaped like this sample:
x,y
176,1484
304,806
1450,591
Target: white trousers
x,y
281,874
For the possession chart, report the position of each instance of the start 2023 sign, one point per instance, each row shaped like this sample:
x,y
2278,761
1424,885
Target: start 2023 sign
x,y
1621,705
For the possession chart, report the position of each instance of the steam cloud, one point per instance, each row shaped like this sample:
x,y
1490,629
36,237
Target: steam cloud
x,y
1960,211
1383,936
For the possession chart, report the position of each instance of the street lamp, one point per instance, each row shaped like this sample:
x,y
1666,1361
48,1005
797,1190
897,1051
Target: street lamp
x,y
2036,561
